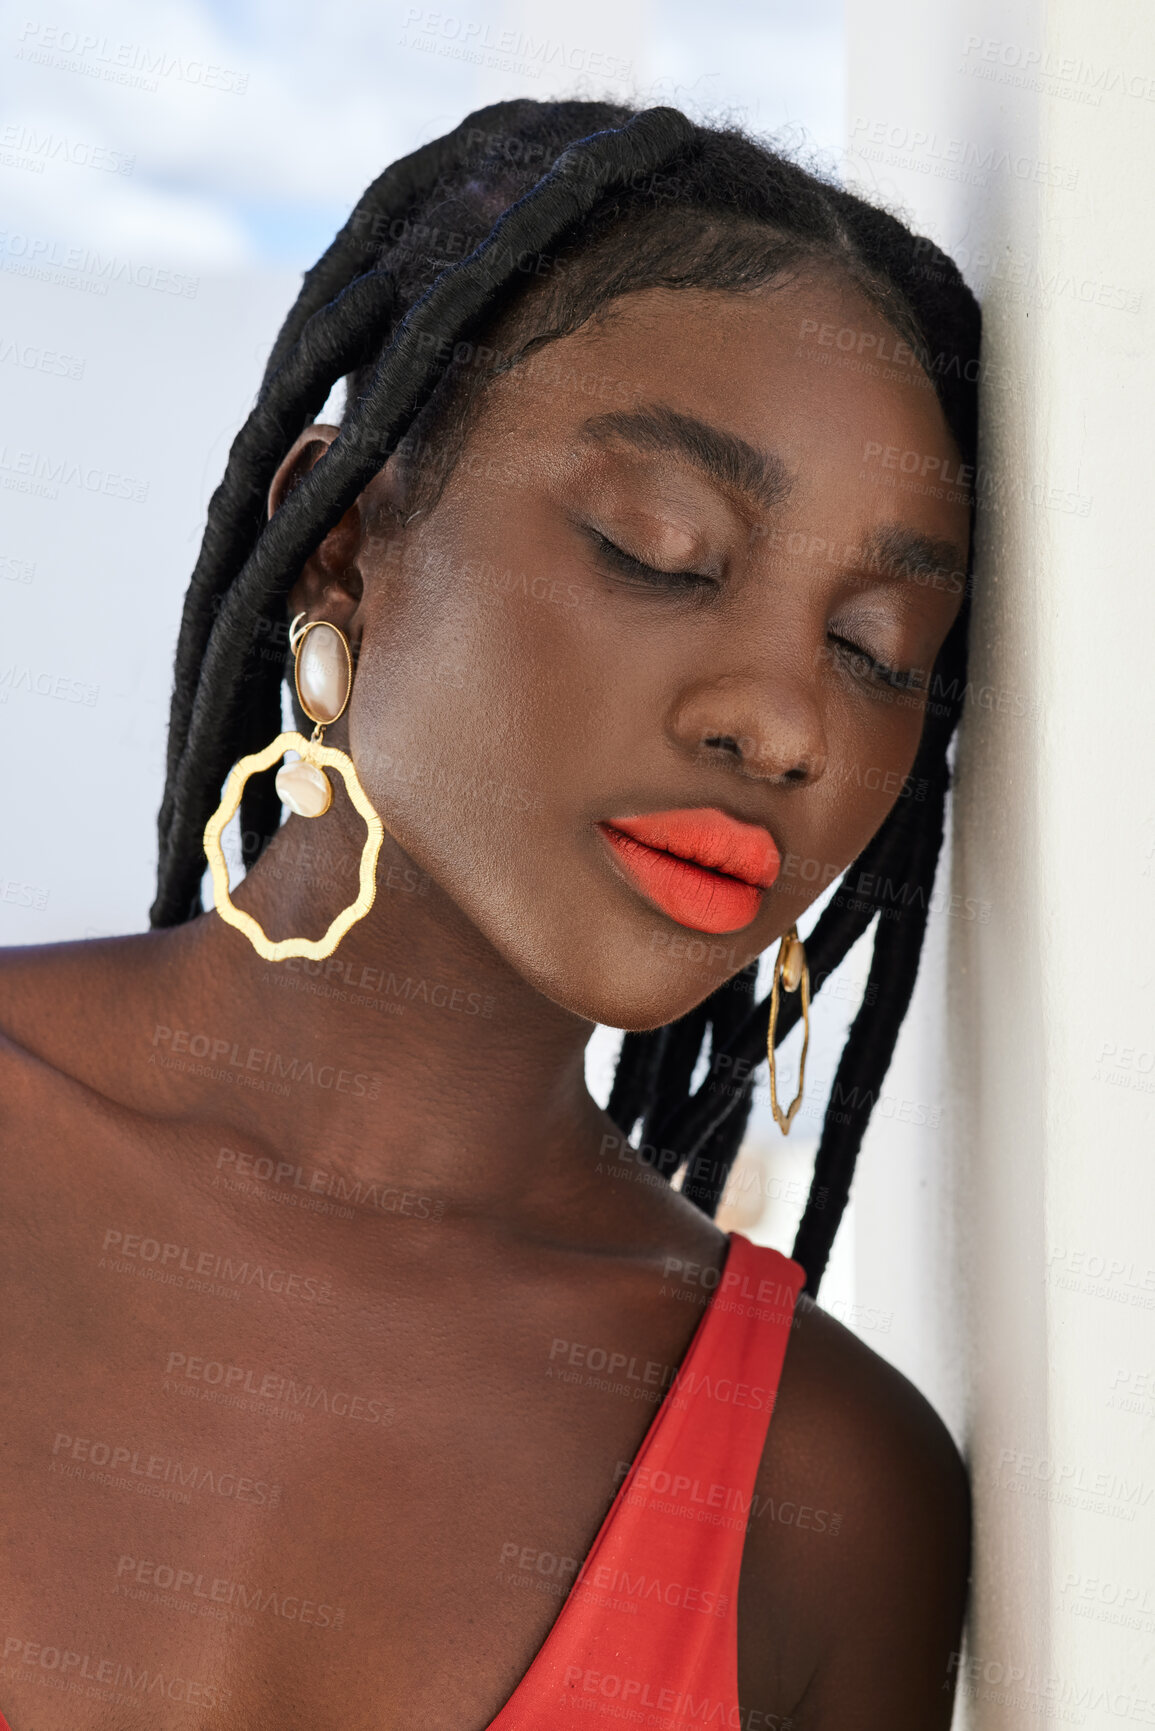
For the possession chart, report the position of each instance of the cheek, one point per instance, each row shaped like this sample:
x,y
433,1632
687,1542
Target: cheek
x,y
869,773
477,711
484,736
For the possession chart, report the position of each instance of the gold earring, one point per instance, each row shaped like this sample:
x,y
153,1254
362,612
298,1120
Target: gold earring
x,y
791,970
323,674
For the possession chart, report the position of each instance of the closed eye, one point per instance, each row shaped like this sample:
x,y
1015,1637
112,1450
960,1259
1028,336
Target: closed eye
x,y
865,665
868,667
628,566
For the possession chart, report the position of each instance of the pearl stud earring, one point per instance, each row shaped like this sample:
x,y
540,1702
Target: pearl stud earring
x,y
323,674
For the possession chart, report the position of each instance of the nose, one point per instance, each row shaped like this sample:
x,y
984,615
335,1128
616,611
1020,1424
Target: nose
x,y
769,725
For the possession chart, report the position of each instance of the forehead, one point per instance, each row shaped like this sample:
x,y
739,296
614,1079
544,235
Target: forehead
x,y
807,371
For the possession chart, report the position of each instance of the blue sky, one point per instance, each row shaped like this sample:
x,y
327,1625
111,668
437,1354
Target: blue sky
x,y
256,163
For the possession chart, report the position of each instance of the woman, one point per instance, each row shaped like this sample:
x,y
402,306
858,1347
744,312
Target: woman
x,y
363,1372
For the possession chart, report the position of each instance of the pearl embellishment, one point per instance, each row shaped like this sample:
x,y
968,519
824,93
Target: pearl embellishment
x,y
304,789
323,678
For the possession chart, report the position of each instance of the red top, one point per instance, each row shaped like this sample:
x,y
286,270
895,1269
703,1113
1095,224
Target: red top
x,y
650,1626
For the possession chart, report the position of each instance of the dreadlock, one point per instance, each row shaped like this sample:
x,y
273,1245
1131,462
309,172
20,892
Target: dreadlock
x,y
458,262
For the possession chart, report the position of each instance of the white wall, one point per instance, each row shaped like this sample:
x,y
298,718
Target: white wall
x,y
1022,138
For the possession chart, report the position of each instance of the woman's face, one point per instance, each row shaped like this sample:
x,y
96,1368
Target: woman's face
x,y
784,534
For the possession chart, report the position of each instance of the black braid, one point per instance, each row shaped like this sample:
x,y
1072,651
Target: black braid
x,y
707,1171
221,720
680,1051
867,1054
635,1081
333,340
602,200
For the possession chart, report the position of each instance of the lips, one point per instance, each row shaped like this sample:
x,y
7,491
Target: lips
x,y
704,869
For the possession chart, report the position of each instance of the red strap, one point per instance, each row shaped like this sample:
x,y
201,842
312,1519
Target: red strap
x,y
651,1622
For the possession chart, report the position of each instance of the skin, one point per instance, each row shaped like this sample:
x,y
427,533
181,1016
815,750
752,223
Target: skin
x,y
494,718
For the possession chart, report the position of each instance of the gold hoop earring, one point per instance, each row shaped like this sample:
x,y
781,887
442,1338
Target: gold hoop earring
x,y
323,675
791,970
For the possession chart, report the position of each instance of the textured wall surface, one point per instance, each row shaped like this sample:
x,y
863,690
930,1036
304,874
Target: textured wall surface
x,y
1022,138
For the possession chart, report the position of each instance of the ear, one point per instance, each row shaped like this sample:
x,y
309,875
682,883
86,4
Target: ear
x,y
331,582
329,585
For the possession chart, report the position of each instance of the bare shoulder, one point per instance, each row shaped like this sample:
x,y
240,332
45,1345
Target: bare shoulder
x,y
64,1003
40,971
41,982
856,1566
37,993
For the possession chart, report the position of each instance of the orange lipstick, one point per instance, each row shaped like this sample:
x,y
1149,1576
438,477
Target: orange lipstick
x,y
703,868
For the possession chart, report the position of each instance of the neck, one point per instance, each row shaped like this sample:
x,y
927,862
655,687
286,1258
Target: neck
x,y
413,1054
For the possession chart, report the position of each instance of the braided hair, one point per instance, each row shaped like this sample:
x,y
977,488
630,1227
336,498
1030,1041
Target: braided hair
x,y
458,262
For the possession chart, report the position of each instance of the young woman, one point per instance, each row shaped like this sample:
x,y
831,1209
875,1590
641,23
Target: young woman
x,y
361,1372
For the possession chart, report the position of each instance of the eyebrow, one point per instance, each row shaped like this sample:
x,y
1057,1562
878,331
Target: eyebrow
x,y
894,554
759,476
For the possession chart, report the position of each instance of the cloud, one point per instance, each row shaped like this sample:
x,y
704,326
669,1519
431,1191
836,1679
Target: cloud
x,y
252,126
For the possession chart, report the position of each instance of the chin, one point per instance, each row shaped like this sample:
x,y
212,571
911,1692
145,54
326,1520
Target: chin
x,y
641,999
